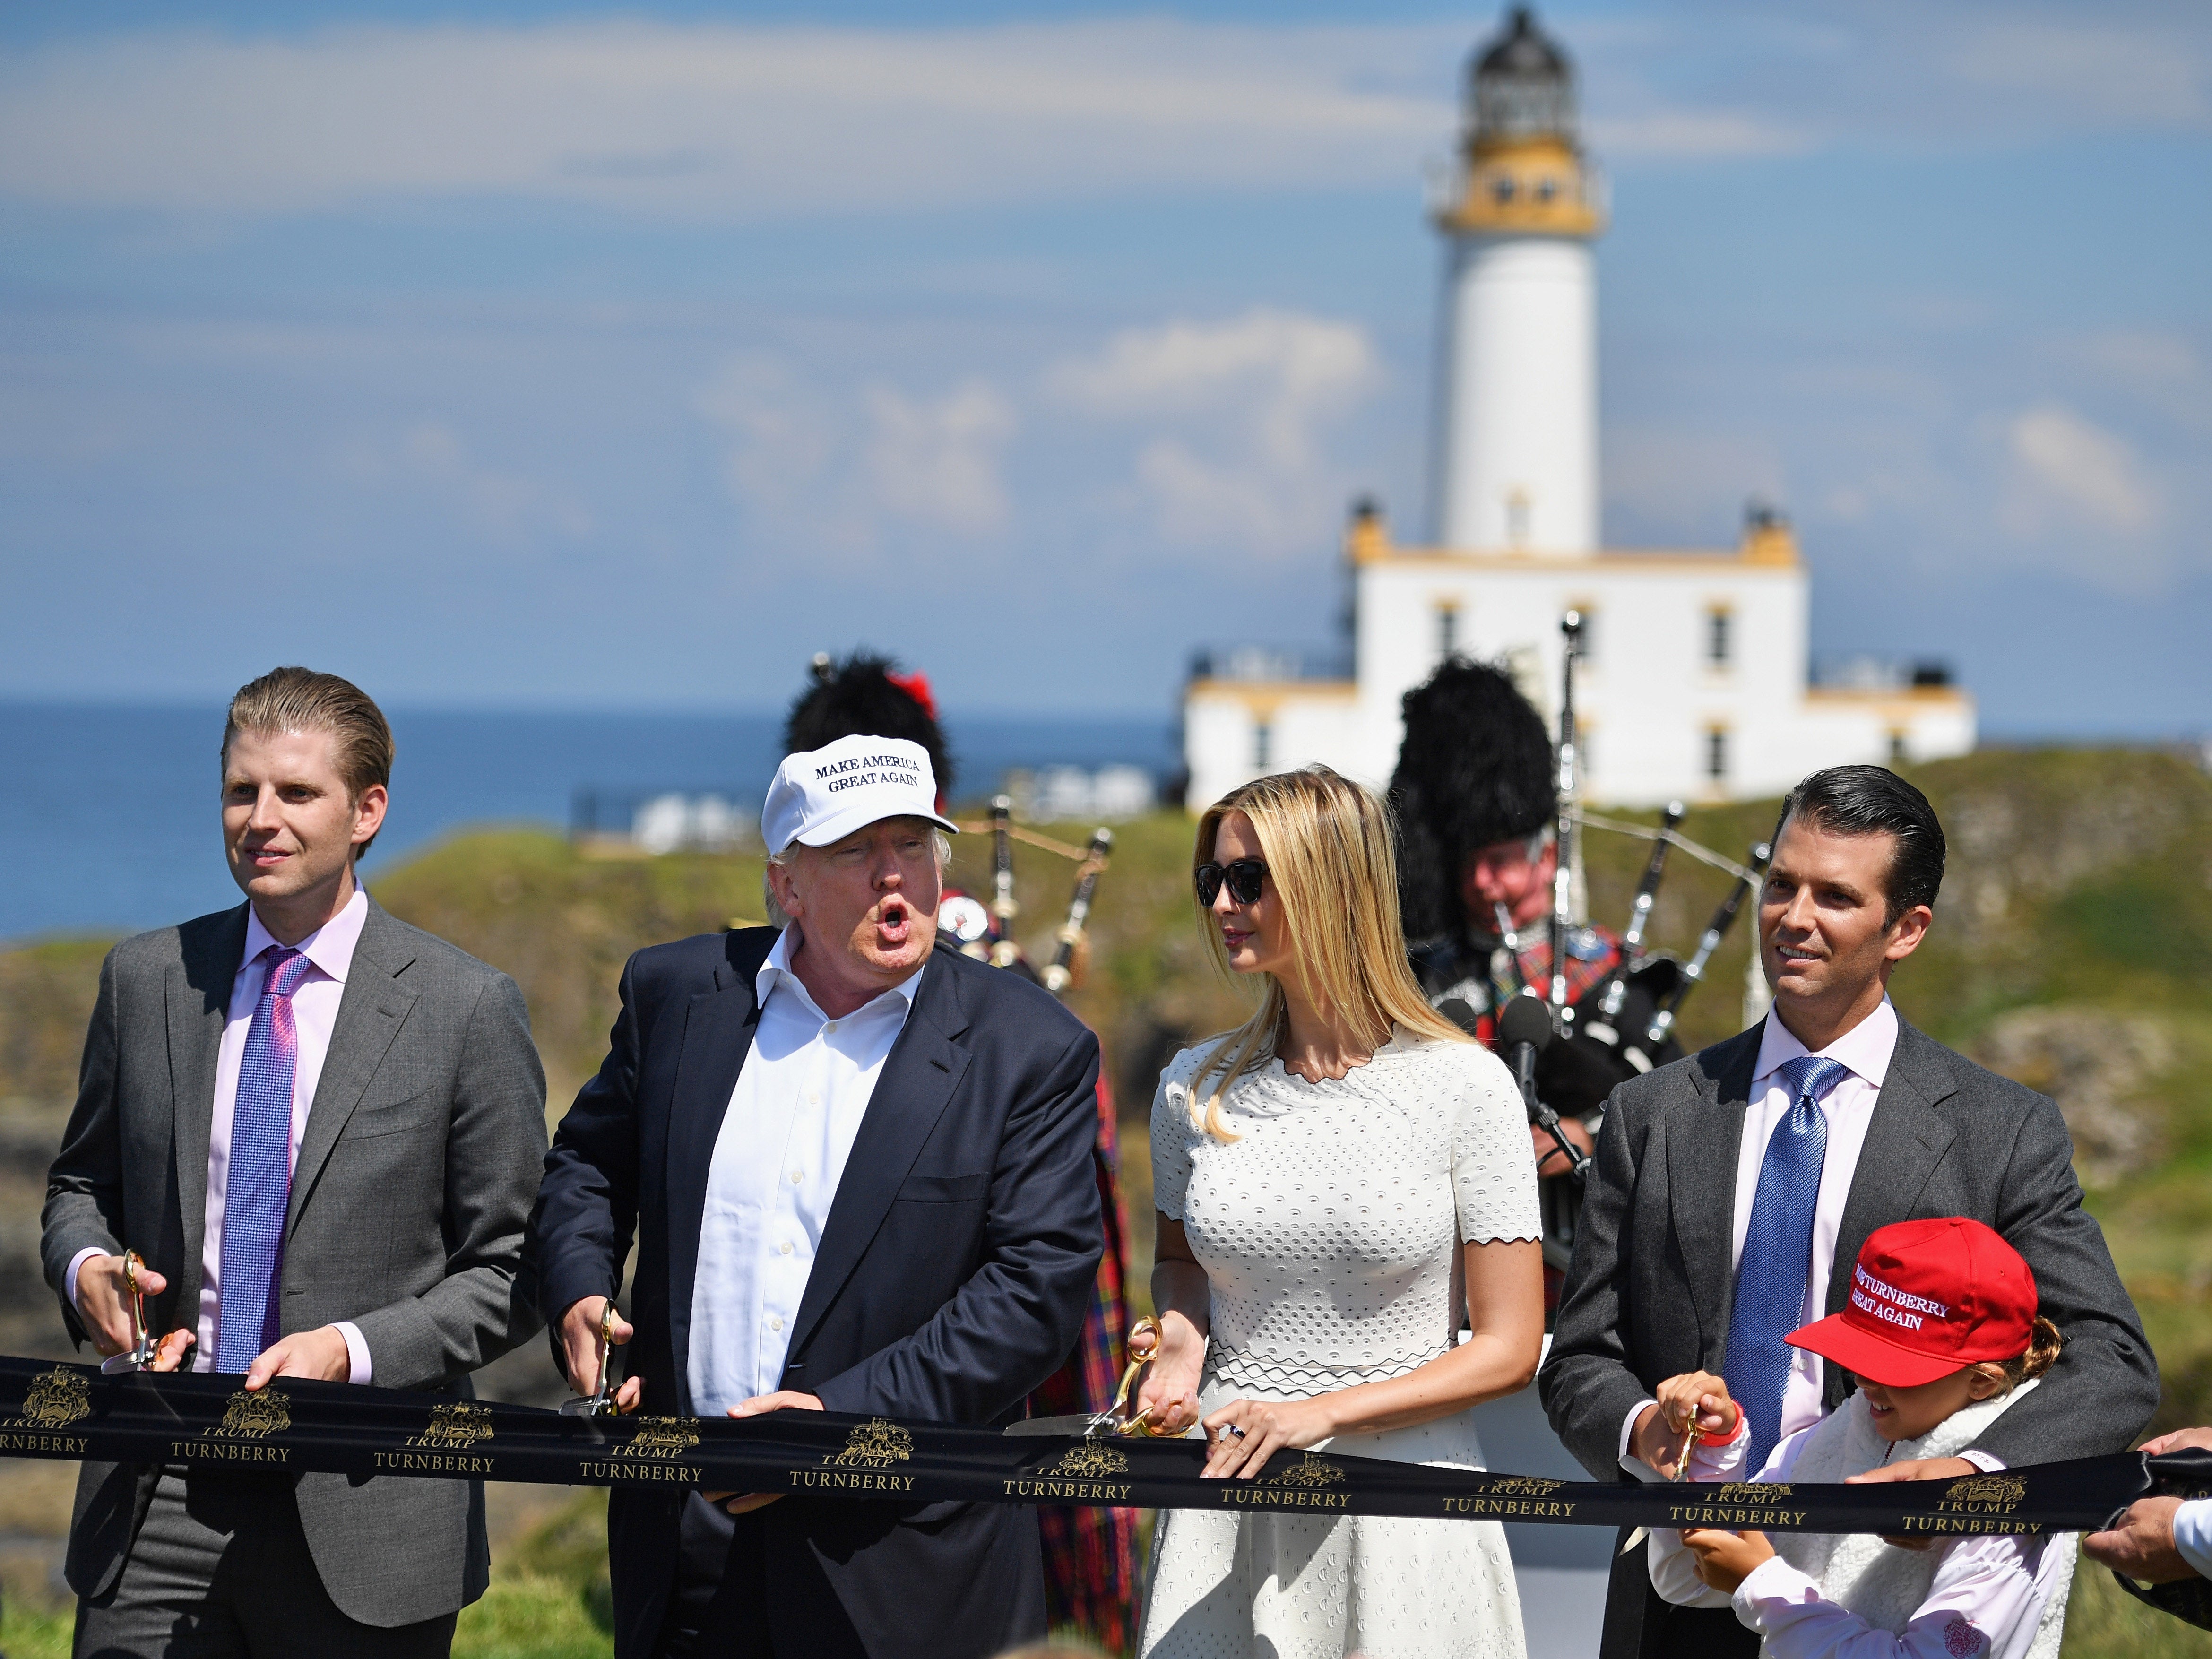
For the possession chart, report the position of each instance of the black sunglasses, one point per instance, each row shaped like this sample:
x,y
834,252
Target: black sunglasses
x,y
1243,875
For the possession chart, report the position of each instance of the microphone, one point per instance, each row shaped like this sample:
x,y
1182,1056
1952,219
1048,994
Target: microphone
x,y
1461,1012
1524,1028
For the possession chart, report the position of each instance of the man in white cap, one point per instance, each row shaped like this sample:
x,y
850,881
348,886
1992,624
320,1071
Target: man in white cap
x,y
858,1170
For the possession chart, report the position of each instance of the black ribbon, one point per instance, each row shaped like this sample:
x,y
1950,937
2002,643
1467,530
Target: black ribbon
x,y
207,1421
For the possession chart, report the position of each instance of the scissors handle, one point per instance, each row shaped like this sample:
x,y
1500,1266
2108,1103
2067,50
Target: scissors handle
x,y
1691,1435
607,1356
142,1349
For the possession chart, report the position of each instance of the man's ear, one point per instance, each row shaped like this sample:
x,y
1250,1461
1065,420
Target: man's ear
x,y
1907,931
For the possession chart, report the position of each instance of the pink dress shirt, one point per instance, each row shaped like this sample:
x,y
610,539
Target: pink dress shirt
x,y
315,1013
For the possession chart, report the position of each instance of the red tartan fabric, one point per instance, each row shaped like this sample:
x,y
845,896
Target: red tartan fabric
x,y
1537,973
1091,1554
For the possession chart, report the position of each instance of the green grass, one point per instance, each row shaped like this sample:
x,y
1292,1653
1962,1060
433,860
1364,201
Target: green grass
x,y
2103,1621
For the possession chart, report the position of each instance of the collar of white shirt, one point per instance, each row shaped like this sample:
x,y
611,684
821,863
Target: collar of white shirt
x,y
1865,1048
776,971
330,947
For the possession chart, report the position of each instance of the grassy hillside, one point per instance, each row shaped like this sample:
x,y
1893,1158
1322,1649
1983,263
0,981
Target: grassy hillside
x,y
2073,950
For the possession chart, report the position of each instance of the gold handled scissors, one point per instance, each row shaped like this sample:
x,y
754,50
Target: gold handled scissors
x,y
600,1404
1691,1435
140,1358
1144,1347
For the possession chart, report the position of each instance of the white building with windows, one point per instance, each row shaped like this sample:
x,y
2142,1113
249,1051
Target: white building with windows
x,y
1695,682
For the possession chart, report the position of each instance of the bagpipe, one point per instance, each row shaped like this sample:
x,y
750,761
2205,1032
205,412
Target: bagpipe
x,y
201,1420
988,933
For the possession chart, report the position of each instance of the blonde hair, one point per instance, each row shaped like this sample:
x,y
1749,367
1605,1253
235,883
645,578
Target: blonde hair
x,y
1329,847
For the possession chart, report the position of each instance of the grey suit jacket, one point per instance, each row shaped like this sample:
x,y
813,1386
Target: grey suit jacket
x,y
415,1174
1648,1291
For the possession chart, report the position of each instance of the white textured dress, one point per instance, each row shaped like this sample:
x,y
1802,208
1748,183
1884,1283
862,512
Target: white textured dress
x,y
1329,1232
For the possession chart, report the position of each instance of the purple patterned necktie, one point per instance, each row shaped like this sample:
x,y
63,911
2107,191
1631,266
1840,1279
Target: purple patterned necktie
x,y
258,1187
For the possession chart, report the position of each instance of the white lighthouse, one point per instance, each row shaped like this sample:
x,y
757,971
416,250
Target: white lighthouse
x,y
1516,418
1696,679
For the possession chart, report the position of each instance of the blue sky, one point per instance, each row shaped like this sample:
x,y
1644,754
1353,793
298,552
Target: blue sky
x,y
526,355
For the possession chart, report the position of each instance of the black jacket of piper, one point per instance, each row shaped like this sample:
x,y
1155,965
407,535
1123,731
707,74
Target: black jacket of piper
x,y
952,1278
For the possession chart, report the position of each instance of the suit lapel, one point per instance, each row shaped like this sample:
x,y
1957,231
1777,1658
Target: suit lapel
x,y
370,1013
1702,1143
924,1067
1905,1139
718,1034
196,999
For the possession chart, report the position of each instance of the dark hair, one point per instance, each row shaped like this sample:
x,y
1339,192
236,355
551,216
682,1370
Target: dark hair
x,y
865,696
301,700
1873,800
1474,769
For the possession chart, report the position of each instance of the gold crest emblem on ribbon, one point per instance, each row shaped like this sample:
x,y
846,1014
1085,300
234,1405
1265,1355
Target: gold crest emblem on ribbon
x,y
1987,1489
875,1445
455,1427
55,1400
1092,1460
1308,1471
660,1436
255,1416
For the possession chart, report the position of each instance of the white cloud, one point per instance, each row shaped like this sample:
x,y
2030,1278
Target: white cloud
x,y
1236,411
507,507
939,462
716,120
834,467
2071,463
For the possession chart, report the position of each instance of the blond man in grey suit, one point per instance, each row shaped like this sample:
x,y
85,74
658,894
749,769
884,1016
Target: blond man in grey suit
x,y
320,1130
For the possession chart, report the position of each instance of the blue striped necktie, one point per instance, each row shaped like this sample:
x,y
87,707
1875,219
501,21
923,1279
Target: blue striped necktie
x,y
258,1186
1778,1253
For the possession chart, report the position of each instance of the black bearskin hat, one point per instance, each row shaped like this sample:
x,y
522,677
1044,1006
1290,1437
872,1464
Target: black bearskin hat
x,y
1475,769
866,696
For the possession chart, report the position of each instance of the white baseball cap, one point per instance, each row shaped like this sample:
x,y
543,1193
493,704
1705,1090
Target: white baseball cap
x,y
823,795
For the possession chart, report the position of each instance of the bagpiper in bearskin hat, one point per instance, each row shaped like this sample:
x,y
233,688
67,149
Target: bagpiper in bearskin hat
x,y
866,695
1475,769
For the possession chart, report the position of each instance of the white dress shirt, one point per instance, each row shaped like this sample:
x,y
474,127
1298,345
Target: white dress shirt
x,y
1995,1586
1864,1051
2192,1534
329,950
789,1127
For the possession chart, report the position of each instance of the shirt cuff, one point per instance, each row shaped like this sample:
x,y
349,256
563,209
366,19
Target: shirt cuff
x,y
1773,1580
356,1352
1987,1462
1628,1428
69,1279
2192,1534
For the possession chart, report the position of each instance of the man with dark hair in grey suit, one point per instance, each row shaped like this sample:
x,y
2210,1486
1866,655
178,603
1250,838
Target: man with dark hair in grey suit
x,y
1733,1190
312,1134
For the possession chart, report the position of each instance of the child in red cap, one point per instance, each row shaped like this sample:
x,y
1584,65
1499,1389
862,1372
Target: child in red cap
x,y
1943,1335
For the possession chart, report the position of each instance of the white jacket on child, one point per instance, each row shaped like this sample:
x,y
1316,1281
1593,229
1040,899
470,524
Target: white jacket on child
x,y
1849,1596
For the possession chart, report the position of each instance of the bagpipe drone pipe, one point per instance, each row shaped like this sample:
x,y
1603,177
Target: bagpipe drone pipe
x,y
207,1421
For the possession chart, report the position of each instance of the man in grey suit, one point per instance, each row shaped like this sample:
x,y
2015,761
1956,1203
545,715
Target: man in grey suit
x,y
1732,1190
320,1129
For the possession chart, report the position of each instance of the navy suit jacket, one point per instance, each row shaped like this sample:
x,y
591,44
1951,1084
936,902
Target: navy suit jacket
x,y
951,1280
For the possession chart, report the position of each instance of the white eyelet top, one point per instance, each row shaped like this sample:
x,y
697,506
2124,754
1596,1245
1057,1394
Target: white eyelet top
x,y
1329,1229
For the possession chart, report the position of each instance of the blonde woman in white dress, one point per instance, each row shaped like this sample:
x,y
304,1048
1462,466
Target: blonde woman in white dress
x,y
1336,1179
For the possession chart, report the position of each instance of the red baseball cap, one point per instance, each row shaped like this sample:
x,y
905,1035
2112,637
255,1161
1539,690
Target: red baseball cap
x,y
1928,1298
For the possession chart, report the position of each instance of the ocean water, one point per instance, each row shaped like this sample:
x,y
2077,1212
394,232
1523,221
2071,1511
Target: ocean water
x,y
109,821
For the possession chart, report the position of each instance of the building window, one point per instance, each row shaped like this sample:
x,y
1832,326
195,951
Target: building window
x,y
1717,755
1446,629
1263,745
1897,755
1717,643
